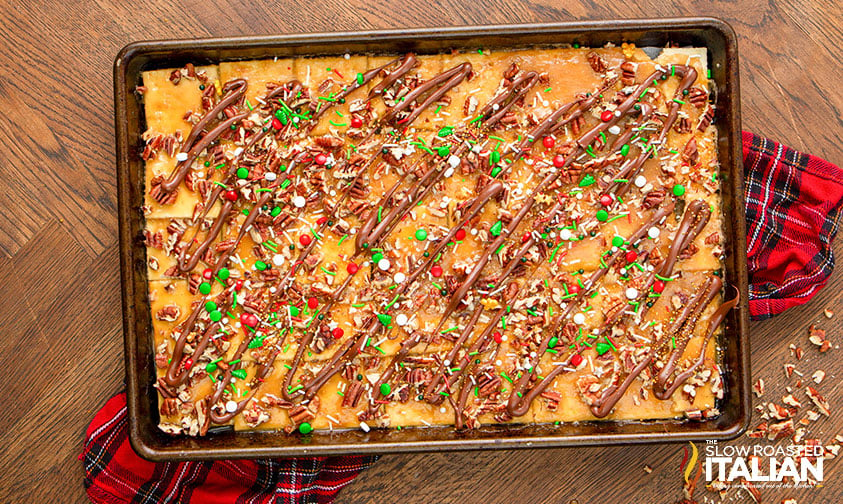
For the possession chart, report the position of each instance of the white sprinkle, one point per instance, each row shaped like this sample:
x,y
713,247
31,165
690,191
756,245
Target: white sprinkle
x,y
181,156
442,410
270,176
364,426
399,277
238,151
231,406
454,161
299,201
623,271
384,264
617,113
579,319
615,129
653,232
495,106
449,172
640,181
631,293
346,56
476,148
401,319
565,234
498,362
278,259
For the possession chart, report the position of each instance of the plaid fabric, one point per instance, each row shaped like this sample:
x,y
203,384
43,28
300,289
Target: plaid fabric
x,y
792,201
114,473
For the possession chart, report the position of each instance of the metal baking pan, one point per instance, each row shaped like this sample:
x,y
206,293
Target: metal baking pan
x,y
137,57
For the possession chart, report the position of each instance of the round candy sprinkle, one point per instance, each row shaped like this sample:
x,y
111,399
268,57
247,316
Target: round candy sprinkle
x,y
576,360
579,319
338,332
421,234
498,337
294,311
238,284
230,195
299,201
574,289
215,315
352,268
276,124
278,259
260,265
617,241
321,159
565,234
399,277
377,257
305,428
242,173
249,319
312,303
436,271
625,150
653,232
460,235
631,293
321,220
305,239
401,319
385,389
548,142
678,190
384,264
275,211
205,288
443,150
559,160
224,274
602,215
210,306
614,129
606,116
208,273
605,200
658,286
270,176
356,122
231,406
495,157
496,171
631,256
640,181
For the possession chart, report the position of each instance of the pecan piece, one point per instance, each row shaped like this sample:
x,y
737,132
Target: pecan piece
x,y
169,406
698,97
597,63
653,198
169,313
691,154
628,73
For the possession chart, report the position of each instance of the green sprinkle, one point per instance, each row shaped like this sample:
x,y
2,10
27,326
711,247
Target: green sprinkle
x,y
678,190
385,389
449,330
445,131
305,428
621,216
601,348
337,124
677,100
421,234
496,228
507,378
586,181
385,319
360,79
663,279
239,373
205,288
625,150
602,215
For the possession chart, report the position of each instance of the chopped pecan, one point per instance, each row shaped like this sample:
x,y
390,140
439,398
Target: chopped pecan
x,y
169,313
713,238
682,125
159,195
352,394
706,118
691,154
780,430
154,240
597,63
818,400
628,73
698,97
169,406
329,142
654,198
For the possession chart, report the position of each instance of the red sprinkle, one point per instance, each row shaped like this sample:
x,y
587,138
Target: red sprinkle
x,y
352,268
238,284
559,161
338,332
249,319
658,286
606,116
498,337
208,273
321,159
573,288
525,237
460,234
436,271
312,303
356,122
276,124
230,195
188,362
304,240
605,200
631,256
548,142
576,360
322,220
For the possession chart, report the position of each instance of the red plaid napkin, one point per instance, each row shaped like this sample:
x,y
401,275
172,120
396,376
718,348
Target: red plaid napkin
x,y
792,204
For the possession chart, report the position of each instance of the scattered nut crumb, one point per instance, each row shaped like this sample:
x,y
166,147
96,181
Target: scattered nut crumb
x,y
818,376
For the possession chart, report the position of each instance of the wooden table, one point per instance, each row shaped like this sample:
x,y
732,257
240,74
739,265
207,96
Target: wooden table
x,y
60,316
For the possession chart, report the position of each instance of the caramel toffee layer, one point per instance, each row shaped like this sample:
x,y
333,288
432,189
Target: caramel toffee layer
x,y
527,236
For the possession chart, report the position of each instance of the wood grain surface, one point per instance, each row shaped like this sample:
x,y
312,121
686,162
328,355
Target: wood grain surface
x,y
60,315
